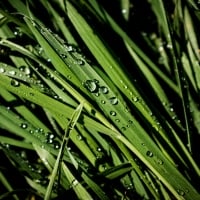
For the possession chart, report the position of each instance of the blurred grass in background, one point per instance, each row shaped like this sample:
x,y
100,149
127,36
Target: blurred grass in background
x,y
99,100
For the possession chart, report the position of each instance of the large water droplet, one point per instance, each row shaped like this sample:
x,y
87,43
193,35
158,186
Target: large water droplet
x,y
91,85
15,83
113,100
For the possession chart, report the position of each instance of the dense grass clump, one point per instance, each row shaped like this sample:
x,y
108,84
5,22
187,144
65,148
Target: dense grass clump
x,y
99,100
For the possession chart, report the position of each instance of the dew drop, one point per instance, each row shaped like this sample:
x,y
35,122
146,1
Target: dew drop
x,y
79,137
12,72
2,70
74,183
24,125
160,162
113,113
123,128
113,100
124,11
56,145
103,102
135,99
15,83
63,56
149,153
104,89
91,85
117,120
25,69
181,192
99,149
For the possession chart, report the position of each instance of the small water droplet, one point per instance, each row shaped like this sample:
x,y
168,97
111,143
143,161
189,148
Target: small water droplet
x,y
181,192
25,69
104,90
15,83
99,149
74,183
23,125
56,145
149,153
91,85
135,99
124,11
2,70
103,102
113,113
160,162
79,137
63,56
113,100
123,128
12,72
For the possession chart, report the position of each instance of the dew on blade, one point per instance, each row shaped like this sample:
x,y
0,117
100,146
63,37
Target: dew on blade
x,y
104,90
113,100
2,70
23,125
15,83
91,85
149,154
113,113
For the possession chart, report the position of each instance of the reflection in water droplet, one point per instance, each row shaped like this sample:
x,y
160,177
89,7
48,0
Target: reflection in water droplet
x,y
91,85
14,83
113,100
113,113
149,153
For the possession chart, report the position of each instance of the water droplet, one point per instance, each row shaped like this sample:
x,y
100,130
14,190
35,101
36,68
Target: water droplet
x,y
79,137
2,70
15,83
99,149
91,85
79,62
25,69
130,121
181,192
117,120
103,102
160,162
149,153
113,113
74,183
113,100
104,90
56,145
62,55
12,72
124,11
135,99
123,128
24,125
